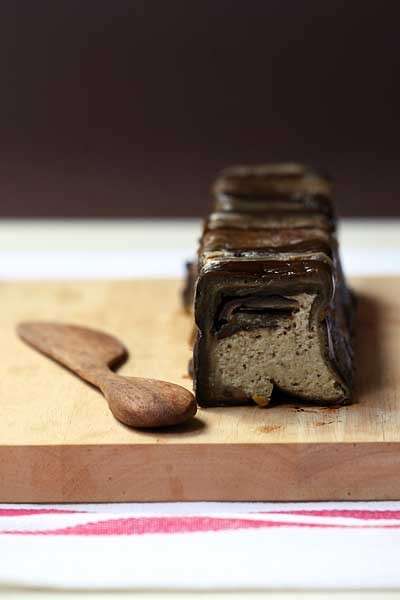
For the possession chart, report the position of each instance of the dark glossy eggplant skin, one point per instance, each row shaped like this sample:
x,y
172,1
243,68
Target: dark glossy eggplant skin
x,y
273,235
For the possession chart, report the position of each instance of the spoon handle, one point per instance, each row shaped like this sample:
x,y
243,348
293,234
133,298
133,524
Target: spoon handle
x,y
97,376
87,352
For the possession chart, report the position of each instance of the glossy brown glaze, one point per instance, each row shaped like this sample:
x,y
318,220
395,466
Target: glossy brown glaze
x,y
284,239
276,220
271,188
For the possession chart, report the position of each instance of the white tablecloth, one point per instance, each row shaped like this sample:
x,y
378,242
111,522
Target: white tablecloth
x,y
200,545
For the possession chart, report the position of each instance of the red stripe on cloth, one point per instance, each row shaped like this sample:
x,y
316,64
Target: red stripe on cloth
x,y
22,512
364,514
172,525
345,513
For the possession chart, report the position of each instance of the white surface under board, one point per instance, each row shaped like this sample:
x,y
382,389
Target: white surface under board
x,y
145,248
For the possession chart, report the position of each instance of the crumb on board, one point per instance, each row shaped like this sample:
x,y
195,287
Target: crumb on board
x,y
269,428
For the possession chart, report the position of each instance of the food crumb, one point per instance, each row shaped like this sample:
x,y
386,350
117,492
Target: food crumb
x,y
269,428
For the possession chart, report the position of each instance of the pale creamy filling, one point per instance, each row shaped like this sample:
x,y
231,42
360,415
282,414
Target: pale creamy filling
x,y
290,355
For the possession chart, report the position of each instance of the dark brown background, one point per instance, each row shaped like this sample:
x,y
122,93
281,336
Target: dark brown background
x,y
117,108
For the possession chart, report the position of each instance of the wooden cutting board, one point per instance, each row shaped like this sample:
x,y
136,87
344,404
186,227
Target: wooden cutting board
x,y
60,443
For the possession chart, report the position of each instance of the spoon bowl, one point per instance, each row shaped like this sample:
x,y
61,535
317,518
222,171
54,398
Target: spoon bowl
x,y
139,402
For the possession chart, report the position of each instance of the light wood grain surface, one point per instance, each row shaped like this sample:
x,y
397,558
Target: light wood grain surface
x,y
59,442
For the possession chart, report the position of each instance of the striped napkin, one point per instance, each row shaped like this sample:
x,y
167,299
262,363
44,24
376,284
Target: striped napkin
x,y
201,546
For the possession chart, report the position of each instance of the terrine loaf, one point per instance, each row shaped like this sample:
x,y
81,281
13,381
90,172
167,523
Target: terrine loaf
x,y
271,306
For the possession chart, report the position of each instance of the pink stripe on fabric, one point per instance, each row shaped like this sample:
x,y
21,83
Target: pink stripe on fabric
x,y
345,513
173,525
22,512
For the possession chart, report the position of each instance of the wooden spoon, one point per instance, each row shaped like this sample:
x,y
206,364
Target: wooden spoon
x,y
90,354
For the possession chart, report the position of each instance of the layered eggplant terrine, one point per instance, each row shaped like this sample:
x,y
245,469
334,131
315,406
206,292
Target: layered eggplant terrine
x,y
271,306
